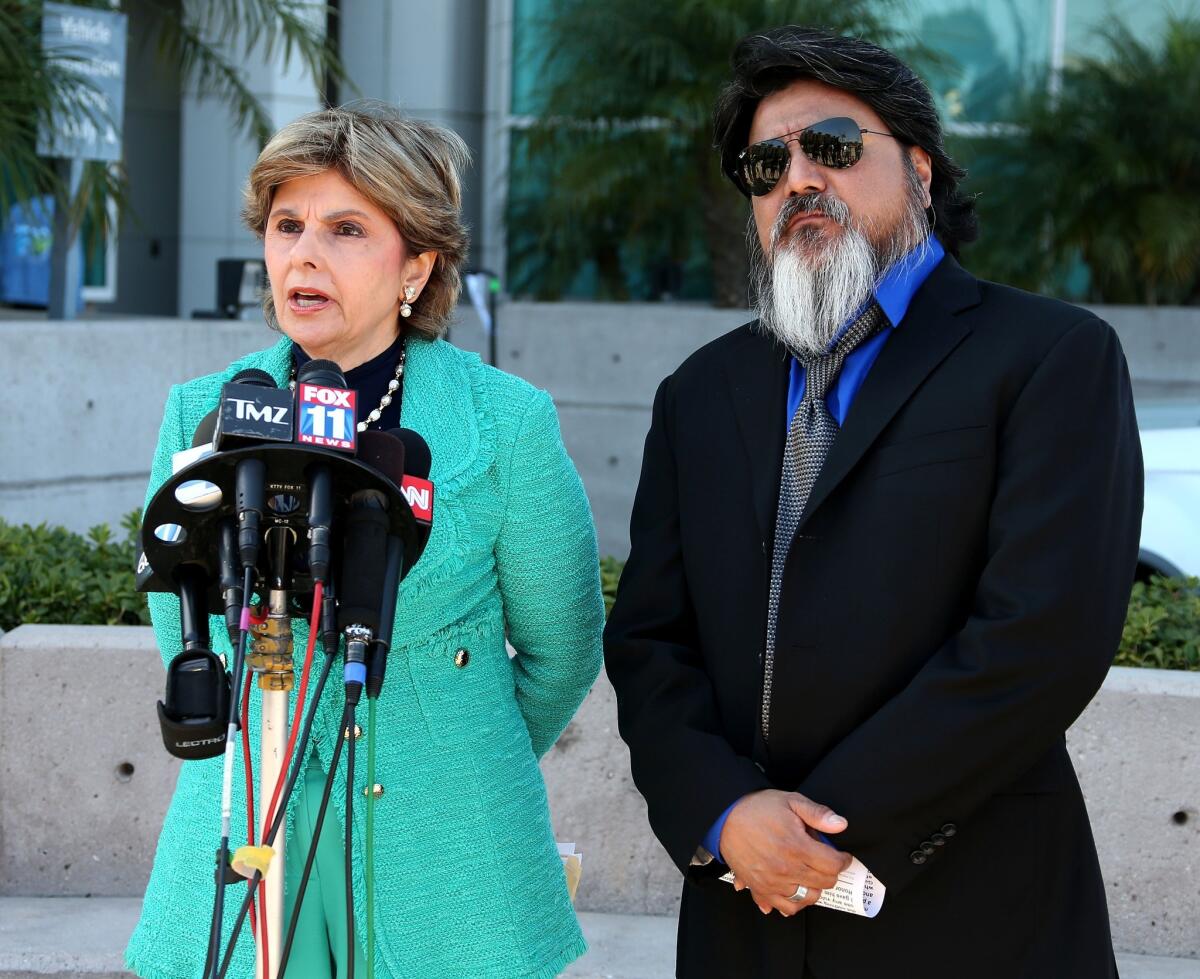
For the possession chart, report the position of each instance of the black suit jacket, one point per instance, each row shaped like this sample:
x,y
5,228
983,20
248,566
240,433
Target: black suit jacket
x,y
951,601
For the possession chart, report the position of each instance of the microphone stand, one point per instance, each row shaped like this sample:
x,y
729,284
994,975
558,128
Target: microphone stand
x,y
271,657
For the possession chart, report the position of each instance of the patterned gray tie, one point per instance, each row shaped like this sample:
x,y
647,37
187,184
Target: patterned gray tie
x,y
809,439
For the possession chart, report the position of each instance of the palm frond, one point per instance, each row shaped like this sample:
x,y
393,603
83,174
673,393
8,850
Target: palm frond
x,y
1113,166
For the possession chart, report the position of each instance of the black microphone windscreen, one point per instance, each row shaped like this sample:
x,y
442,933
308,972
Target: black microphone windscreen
x,y
207,428
417,458
384,452
322,372
254,376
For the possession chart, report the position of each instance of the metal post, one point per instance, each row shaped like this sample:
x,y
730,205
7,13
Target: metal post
x,y
1058,49
66,268
272,661
493,288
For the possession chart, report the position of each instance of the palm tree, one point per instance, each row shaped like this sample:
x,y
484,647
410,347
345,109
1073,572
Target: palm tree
x,y
1107,173
35,89
619,163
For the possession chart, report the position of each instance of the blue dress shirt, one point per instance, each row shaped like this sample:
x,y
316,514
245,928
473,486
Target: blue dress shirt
x,y
894,293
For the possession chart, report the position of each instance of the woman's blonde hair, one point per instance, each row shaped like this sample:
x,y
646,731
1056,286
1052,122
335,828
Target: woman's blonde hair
x,y
409,169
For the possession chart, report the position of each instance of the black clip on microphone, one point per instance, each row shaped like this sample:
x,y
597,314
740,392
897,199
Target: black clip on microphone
x,y
194,713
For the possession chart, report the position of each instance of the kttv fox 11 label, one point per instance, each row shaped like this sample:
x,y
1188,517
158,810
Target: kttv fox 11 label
x,y
327,417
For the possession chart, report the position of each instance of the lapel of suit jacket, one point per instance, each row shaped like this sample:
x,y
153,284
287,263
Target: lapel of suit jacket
x,y
929,332
756,371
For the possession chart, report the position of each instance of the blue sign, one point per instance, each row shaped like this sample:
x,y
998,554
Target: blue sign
x,y
90,44
25,243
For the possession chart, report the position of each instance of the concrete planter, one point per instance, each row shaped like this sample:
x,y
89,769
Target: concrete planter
x,y
81,802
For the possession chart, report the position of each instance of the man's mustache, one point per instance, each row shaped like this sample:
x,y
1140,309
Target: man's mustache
x,y
832,207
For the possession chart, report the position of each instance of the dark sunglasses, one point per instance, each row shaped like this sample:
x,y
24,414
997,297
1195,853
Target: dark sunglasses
x,y
834,143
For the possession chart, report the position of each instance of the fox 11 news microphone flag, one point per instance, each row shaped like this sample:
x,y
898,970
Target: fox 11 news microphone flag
x,y
269,478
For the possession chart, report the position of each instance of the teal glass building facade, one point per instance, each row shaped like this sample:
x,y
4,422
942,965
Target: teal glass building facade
x,y
984,58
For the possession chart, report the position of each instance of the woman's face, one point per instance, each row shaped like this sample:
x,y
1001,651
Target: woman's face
x,y
338,269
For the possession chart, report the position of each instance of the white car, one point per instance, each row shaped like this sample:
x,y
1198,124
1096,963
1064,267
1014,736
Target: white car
x,y
1170,542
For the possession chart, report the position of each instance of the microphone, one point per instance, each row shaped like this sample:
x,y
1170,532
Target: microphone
x,y
377,662
206,431
404,457
252,410
231,582
385,452
320,381
249,479
202,443
325,407
416,487
204,439
364,563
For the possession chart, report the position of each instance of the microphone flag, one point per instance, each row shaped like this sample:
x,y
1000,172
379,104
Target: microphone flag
x,y
327,416
255,413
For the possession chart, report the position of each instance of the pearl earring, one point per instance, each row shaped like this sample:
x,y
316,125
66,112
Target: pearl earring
x,y
405,307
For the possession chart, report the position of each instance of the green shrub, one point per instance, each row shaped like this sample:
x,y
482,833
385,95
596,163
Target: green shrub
x,y
1162,629
610,574
1163,626
51,575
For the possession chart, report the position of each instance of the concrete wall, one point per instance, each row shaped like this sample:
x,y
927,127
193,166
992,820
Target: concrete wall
x,y
86,397
81,803
86,402
1162,344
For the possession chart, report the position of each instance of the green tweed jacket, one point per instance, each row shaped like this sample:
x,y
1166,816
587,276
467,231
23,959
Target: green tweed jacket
x,y
468,878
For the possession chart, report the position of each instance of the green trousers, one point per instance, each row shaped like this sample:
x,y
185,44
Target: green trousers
x,y
319,949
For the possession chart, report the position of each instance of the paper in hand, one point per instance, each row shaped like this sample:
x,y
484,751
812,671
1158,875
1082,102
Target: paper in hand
x,y
858,891
572,866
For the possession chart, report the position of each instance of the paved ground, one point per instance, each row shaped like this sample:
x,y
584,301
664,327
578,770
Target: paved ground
x,y
82,938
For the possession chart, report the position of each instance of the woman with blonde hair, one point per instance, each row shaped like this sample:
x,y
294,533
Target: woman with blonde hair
x,y
358,209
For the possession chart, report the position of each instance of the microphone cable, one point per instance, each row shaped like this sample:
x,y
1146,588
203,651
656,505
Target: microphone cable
x,y
370,861
346,733
239,659
349,856
376,668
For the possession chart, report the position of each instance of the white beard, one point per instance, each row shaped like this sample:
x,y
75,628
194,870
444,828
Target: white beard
x,y
811,284
814,293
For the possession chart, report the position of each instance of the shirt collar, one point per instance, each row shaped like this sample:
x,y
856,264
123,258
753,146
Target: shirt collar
x,y
904,278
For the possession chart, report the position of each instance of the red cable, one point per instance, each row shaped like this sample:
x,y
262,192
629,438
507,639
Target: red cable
x,y
258,908
287,761
313,628
246,765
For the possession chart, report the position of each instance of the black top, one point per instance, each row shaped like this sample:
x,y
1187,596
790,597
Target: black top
x,y
370,380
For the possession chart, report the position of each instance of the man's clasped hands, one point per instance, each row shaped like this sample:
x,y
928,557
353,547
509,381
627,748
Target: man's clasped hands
x,y
770,841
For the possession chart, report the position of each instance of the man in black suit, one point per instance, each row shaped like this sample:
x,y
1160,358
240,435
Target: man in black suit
x,y
882,549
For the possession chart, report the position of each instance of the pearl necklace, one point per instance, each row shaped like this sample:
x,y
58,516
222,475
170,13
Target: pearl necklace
x,y
392,388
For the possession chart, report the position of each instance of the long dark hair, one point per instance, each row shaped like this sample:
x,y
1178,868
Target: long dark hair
x,y
767,62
